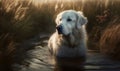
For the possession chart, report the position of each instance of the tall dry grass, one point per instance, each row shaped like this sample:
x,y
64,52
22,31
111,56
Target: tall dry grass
x,y
12,15
7,52
110,40
26,18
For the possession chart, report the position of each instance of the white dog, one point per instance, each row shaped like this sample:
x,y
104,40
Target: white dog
x,y
69,40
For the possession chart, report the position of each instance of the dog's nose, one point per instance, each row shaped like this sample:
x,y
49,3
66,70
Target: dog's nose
x,y
59,29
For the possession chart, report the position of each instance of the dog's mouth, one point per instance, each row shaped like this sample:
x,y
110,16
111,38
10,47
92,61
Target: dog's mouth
x,y
59,31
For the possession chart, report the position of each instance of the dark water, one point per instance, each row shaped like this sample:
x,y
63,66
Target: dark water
x,y
69,64
63,68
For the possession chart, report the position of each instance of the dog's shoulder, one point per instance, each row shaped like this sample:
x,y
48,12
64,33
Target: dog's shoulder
x,y
52,39
53,36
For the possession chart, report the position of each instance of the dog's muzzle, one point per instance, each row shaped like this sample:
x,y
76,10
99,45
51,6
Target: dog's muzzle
x,y
59,29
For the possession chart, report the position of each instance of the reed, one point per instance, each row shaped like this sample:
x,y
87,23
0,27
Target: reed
x,y
110,40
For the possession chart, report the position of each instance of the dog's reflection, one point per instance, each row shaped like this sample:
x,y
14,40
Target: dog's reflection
x,y
69,64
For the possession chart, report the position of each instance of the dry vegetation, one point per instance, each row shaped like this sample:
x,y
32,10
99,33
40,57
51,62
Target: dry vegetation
x,y
110,40
22,19
7,49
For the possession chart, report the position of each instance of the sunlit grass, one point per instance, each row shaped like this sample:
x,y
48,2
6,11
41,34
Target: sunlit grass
x,y
110,40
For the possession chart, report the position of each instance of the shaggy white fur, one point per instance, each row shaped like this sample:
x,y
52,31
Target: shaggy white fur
x,y
70,37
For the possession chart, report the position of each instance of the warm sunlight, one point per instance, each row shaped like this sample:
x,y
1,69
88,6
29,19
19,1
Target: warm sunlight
x,y
39,2
86,35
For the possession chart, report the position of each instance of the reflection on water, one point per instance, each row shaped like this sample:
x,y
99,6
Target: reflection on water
x,y
69,64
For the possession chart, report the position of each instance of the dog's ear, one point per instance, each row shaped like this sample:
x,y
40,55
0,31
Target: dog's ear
x,y
57,18
81,20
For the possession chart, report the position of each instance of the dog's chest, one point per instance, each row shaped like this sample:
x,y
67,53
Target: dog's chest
x,y
70,52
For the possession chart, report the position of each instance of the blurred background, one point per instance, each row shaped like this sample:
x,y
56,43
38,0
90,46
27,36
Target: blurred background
x,y
23,19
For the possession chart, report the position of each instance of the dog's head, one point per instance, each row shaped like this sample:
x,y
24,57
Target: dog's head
x,y
68,20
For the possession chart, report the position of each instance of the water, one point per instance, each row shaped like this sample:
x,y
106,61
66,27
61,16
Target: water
x,y
69,64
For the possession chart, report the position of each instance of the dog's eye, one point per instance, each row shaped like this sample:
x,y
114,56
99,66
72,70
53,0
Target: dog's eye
x,y
69,19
